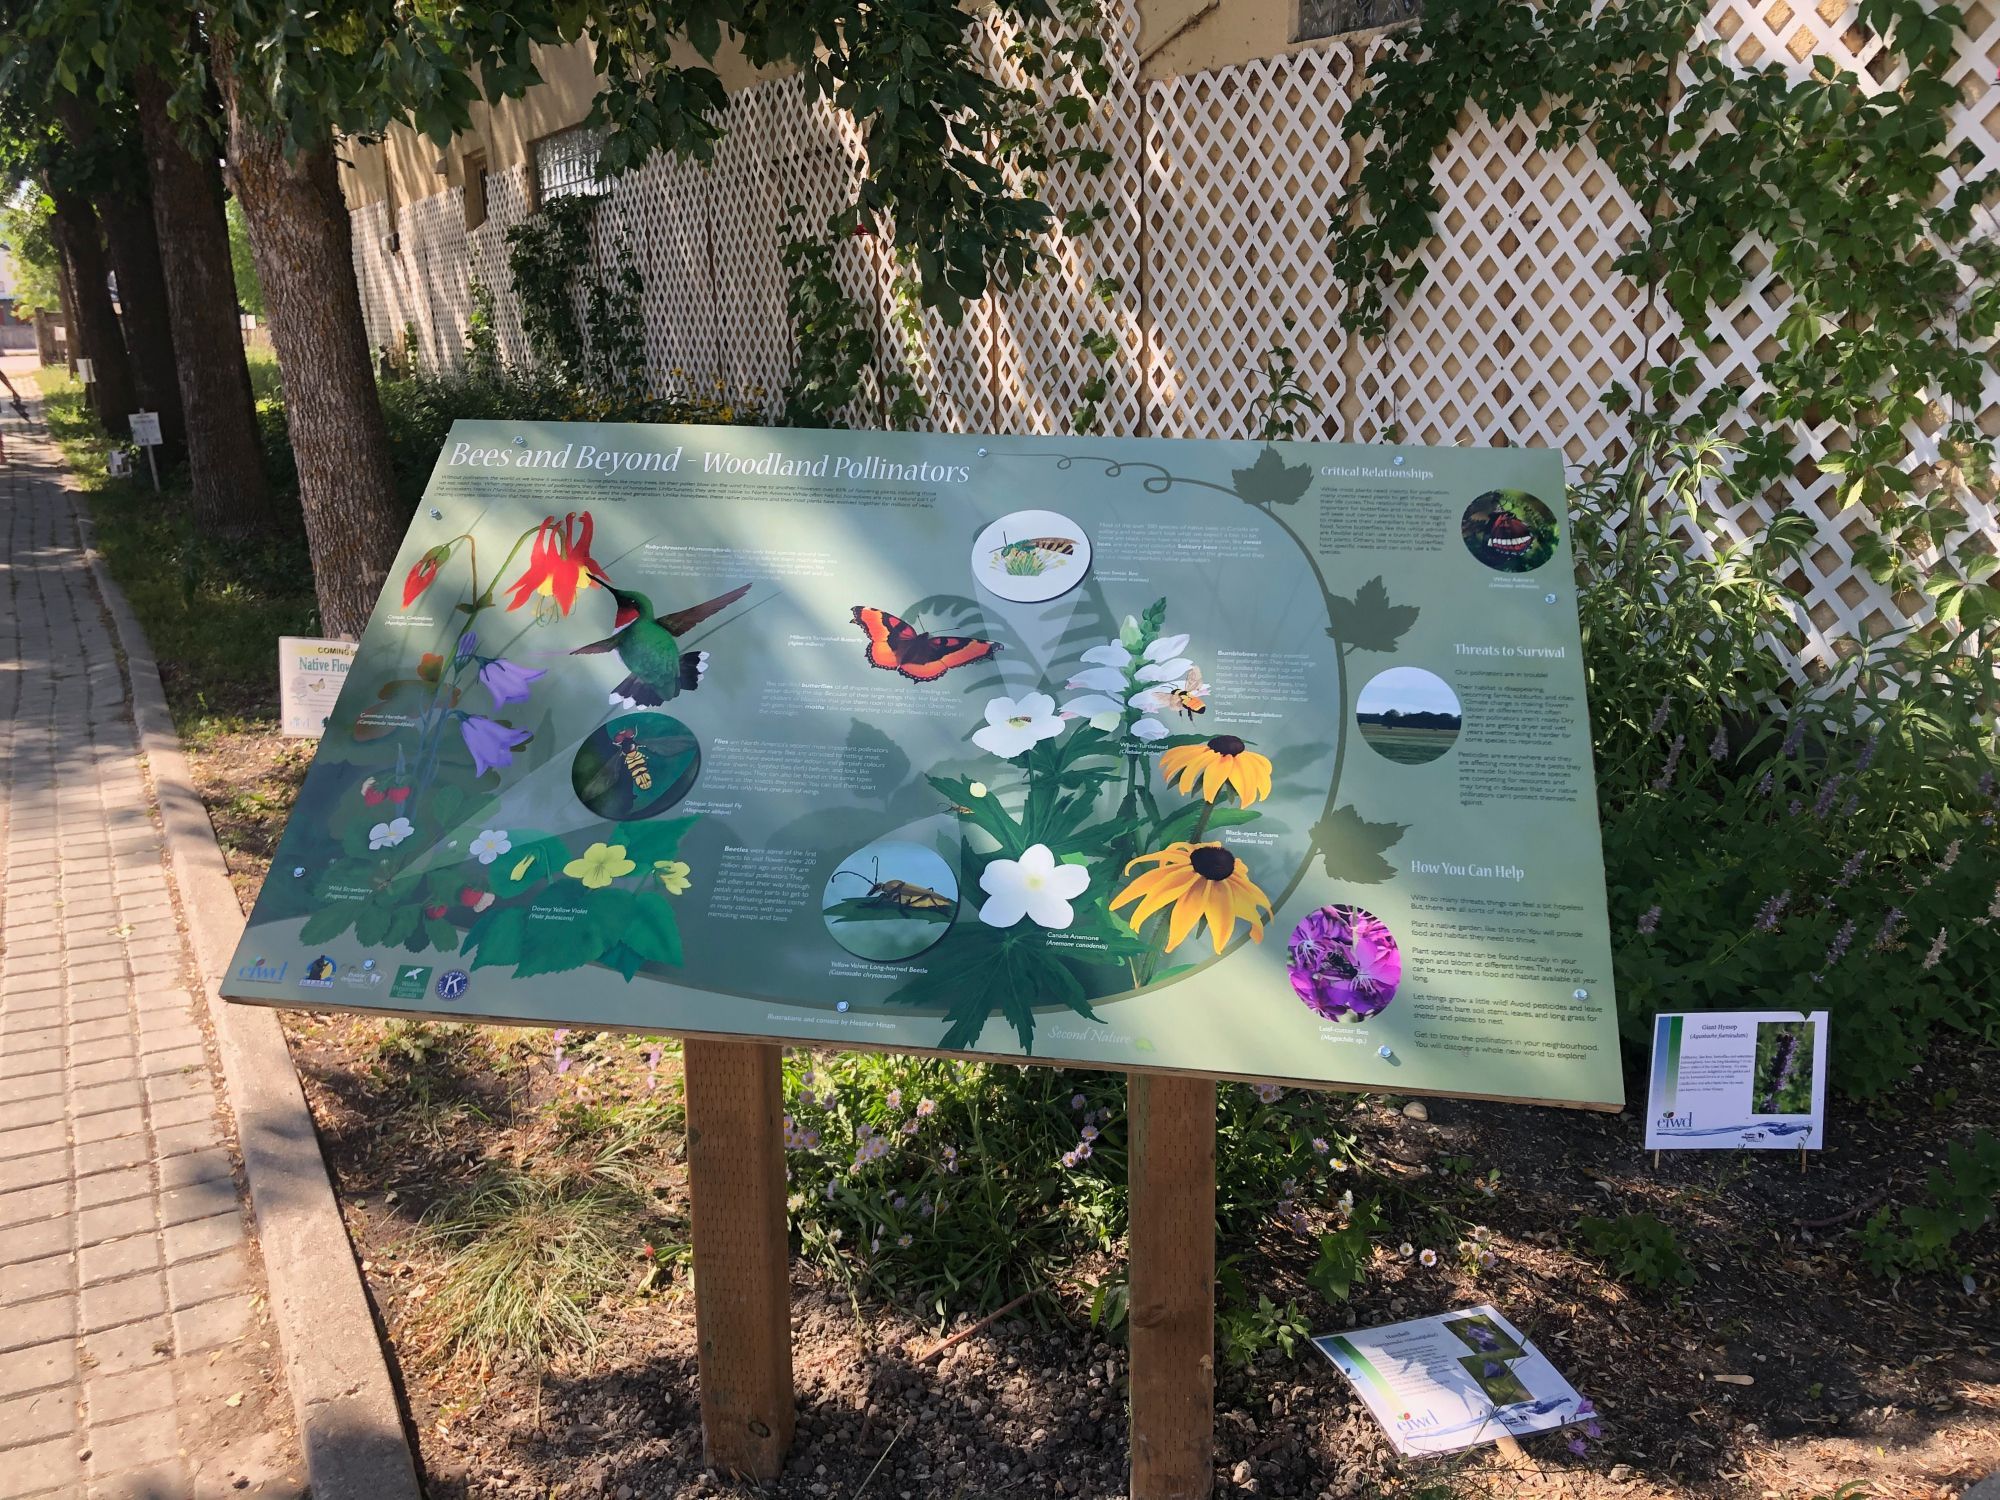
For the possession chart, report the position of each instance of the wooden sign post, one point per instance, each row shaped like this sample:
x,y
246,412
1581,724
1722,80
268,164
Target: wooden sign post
x,y
1171,1320
742,1284
742,1260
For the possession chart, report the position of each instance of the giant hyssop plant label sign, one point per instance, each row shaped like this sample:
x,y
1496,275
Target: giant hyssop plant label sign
x,y
1232,758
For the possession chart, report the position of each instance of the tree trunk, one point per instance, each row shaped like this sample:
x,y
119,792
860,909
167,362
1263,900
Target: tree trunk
x,y
45,339
68,303
301,241
142,303
94,334
225,454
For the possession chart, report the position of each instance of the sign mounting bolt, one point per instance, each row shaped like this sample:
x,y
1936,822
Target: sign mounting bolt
x,y
1579,994
520,442
436,514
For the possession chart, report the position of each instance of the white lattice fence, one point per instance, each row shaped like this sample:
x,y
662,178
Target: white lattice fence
x,y
1220,190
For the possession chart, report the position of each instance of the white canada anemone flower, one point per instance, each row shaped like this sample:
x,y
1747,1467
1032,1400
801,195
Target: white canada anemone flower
x,y
1014,727
1033,886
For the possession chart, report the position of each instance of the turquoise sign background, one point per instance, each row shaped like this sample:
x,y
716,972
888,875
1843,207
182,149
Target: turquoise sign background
x,y
1254,760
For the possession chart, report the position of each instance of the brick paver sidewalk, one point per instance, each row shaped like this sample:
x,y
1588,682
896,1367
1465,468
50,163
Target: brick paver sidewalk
x,y
135,1355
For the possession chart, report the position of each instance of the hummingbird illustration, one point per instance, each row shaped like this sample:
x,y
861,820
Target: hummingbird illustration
x,y
650,648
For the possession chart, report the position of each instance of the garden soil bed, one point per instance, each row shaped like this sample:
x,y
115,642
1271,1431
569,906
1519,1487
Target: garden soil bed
x,y
1785,1370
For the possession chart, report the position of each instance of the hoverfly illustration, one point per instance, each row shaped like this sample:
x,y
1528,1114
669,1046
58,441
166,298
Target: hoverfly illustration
x,y
1034,555
1188,696
905,895
627,745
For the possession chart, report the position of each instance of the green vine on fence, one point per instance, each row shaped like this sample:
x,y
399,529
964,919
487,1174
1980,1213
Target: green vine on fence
x,y
1834,188
585,325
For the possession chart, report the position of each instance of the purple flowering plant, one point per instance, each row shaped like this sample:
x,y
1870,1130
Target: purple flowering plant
x,y
1838,823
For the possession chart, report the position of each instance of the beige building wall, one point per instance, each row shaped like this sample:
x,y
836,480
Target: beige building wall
x,y
1176,37
405,167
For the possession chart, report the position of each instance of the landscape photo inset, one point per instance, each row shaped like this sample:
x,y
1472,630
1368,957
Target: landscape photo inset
x,y
1408,715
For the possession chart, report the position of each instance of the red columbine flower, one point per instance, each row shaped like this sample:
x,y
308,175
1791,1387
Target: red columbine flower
x,y
424,574
559,562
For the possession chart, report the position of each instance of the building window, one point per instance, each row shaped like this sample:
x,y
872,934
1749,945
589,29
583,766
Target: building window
x,y
1325,18
566,164
475,189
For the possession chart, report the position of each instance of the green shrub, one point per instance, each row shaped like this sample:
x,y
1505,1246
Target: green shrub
x,y
962,1185
1640,1248
1769,841
1960,1200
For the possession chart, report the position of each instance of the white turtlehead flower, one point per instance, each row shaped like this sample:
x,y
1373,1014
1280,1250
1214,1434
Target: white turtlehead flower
x,y
1113,655
1015,726
1148,729
1167,647
1173,669
1098,680
1104,713
1033,886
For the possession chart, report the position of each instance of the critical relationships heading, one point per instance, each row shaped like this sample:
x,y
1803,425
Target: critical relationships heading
x,y
650,461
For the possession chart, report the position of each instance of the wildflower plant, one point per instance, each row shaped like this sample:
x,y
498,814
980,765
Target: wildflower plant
x,y
1836,848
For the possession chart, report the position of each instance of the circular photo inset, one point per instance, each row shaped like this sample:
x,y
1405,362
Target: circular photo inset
x,y
1408,715
1030,556
889,900
635,766
1345,965
1509,530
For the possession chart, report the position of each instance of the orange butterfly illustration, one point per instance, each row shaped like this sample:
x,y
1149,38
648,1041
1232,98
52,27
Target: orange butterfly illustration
x,y
896,646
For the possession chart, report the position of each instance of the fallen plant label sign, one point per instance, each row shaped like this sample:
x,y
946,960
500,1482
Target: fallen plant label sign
x,y
1453,1381
1246,759
1741,1079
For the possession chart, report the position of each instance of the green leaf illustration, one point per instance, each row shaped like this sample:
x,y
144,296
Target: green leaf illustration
x,y
496,937
1368,621
330,921
653,932
1352,847
985,970
1272,481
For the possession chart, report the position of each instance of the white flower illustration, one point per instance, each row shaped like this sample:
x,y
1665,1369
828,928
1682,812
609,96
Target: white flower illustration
x,y
490,845
1167,647
1014,727
1173,669
1033,886
388,835
1099,680
1148,729
1103,713
1112,655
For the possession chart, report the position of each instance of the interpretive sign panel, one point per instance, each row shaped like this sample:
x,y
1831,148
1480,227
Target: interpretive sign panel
x,y
310,672
1244,759
1453,1381
1738,1079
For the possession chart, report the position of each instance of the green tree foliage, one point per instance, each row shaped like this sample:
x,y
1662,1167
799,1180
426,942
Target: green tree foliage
x,y
24,230
249,292
1872,217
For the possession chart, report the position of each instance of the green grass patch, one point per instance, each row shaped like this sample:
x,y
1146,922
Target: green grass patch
x,y
528,1255
212,606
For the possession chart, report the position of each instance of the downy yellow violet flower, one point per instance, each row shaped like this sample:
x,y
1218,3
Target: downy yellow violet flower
x,y
1199,881
599,865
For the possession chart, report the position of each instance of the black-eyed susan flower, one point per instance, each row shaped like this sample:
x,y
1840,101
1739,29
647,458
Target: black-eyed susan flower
x,y
1222,761
1198,881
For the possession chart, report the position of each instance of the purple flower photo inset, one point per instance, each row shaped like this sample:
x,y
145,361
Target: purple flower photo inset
x,y
1344,963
